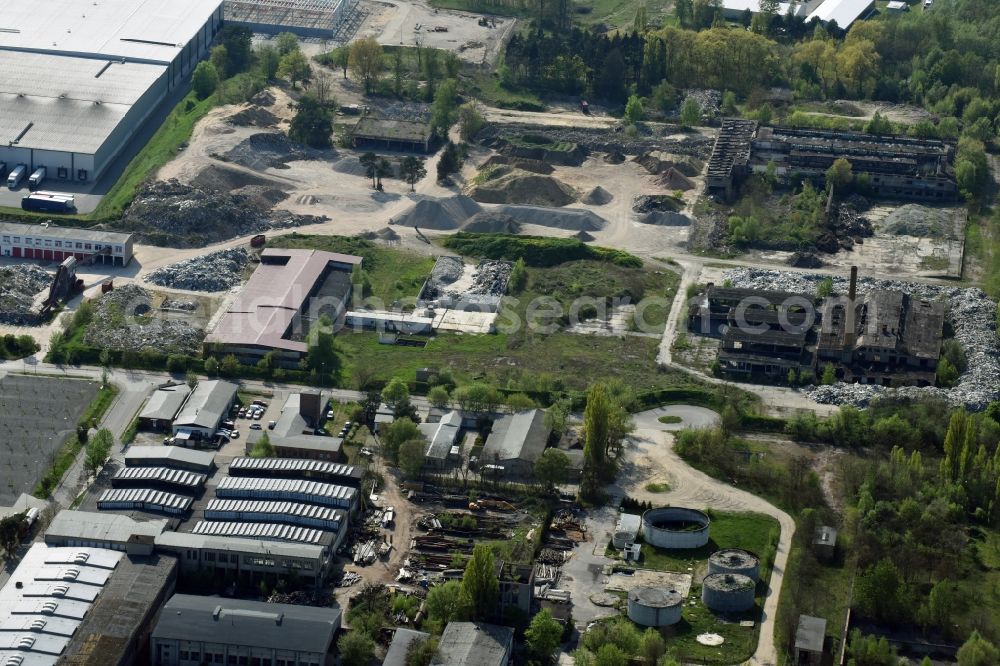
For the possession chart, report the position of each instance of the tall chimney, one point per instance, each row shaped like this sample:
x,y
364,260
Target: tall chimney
x,y
850,332
852,293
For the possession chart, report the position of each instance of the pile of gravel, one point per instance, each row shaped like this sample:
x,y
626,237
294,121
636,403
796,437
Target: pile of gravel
x,y
19,285
970,312
272,150
524,187
665,218
446,271
217,271
492,222
597,197
571,219
440,214
917,220
122,322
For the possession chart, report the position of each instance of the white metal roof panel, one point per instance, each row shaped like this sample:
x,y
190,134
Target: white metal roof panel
x,y
148,498
844,12
17,658
168,455
93,558
31,642
61,590
168,475
296,489
56,626
294,465
280,510
145,30
274,531
183,540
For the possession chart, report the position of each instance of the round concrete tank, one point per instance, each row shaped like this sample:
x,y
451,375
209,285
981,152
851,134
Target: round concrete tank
x,y
675,527
728,593
654,606
735,561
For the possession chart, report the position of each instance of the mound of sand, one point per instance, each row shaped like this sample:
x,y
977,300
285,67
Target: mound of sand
x,y
597,197
523,163
672,179
657,162
492,222
917,220
523,187
664,218
226,179
571,219
253,116
582,236
440,214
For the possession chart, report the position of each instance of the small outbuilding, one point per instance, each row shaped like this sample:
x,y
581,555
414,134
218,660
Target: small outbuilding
x,y
390,134
626,530
809,639
825,543
163,406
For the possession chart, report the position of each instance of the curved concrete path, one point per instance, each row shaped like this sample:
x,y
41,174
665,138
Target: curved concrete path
x,y
689,415
651,458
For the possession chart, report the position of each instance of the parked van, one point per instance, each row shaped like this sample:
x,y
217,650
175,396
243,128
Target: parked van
x,y
36,178
16,175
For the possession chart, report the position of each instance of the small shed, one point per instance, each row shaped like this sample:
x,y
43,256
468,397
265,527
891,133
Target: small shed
x,y
385,133
626,530
896,7
825,543
809,639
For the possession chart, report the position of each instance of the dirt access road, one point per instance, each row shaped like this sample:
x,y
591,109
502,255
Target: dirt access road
x,y
651,458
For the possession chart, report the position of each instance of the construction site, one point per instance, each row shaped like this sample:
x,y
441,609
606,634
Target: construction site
x,y
324,19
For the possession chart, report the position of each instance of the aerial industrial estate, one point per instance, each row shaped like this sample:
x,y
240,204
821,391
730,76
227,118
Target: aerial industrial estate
x,y
451,333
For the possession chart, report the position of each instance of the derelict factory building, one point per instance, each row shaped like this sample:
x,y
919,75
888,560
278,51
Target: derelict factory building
x,y
80,78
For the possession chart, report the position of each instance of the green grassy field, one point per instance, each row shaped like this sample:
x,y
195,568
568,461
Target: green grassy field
x,y
750,531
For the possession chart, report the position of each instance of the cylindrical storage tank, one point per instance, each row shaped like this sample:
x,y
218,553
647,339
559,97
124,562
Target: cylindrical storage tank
x,y
728,593
735,561
655,606
675,527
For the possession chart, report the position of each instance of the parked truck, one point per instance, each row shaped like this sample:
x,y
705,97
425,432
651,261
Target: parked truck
x,y
36,178
50,202
15,176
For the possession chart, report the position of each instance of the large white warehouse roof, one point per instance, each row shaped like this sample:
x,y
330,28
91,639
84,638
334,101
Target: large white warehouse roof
x,y
844,12
52,102
141,30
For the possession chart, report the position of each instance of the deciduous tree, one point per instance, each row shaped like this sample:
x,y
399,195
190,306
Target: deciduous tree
x,y
365,62
480,584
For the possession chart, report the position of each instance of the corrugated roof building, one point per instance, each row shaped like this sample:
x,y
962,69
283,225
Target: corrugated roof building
x,y
204,410
79,84
103,530
516,442
270,313
474,644
163,406
231,630
170,456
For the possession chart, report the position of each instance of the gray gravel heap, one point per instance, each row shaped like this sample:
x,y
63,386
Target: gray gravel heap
x,y
971,313
18,287
216,271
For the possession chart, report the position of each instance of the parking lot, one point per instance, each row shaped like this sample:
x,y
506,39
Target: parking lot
x,y
37,415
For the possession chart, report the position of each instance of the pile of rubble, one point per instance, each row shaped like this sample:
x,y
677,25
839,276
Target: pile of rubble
x,y
272,150
601,140
709,100
19,286
217,271
122,321
490,278
971,314
172,214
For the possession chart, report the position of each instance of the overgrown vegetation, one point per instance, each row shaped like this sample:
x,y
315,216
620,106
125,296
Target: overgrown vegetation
x,y
14,347
535,250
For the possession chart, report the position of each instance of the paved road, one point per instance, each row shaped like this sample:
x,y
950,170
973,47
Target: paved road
x,y
652,458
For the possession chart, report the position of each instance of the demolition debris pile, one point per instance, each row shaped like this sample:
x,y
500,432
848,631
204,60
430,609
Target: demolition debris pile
x,y
971,315
172,214
19,287
217,271
123,321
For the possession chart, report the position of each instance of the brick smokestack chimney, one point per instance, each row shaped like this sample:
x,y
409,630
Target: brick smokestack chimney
x,y
850,332
852,292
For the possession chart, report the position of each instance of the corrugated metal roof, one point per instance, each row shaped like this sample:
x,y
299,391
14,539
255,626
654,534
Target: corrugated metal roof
x,y
68,107
165,403
93,526
519,436
315,492
276,292
176,477
185,540
64,233
143,498
143,30
441,436
291,465
293,513
46,598
250,623
207,405
844,12
169,455
274,531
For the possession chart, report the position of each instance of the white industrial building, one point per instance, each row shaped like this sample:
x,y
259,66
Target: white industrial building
x,y
81,78
842,12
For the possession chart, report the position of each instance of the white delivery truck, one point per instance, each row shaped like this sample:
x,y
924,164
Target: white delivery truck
x,y
36,178
16,175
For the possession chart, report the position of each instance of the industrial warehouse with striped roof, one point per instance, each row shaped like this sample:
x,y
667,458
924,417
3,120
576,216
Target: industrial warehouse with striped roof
x,y
292,513
300,467
296,490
